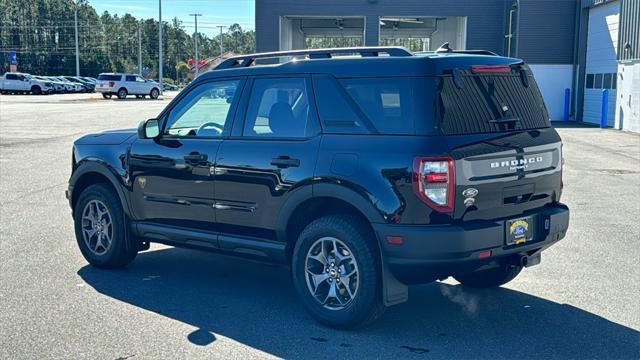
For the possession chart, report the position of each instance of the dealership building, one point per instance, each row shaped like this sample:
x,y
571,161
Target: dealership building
x,y
586,46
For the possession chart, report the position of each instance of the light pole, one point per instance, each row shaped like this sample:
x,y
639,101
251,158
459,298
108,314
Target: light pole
x,y
160,42
77,46
196,41
139,50
221,46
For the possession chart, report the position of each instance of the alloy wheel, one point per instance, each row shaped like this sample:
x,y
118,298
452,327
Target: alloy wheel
x,y
331,273
97,227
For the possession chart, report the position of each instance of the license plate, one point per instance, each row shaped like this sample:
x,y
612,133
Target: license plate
x,y
519,231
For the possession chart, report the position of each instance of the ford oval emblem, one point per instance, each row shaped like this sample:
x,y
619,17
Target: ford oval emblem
x,y
470,192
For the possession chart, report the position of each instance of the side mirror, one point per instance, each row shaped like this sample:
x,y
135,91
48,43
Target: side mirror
x,y
148,129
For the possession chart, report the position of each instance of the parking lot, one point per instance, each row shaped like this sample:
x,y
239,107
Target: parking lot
x,y
583,301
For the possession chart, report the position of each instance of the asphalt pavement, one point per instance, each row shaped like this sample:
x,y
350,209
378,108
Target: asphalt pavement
x,y
581,302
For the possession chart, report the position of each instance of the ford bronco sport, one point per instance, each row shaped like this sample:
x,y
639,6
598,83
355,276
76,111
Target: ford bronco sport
x,y
363,169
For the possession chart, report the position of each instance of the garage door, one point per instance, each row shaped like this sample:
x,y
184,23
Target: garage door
x,y
601,65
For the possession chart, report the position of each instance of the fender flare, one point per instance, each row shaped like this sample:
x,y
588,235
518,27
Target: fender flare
x,y
87,167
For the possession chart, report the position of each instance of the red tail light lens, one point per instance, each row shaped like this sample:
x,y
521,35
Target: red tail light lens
x,y
434,182
491,68
111,83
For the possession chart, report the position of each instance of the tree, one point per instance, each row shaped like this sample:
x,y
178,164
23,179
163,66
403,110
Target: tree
x,y
182,69
43,35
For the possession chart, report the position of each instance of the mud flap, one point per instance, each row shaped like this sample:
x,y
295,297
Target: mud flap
x,y
393,291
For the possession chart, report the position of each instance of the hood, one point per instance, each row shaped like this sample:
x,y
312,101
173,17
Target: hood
x,y
111,137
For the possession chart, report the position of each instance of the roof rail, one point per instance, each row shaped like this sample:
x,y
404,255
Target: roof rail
x,y
248,60
445,48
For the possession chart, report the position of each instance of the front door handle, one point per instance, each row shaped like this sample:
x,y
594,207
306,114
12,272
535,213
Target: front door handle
x,y
284,161
196,158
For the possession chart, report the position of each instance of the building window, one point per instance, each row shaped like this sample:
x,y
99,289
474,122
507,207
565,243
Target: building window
x,y
614,81
606,81
598,81
589,81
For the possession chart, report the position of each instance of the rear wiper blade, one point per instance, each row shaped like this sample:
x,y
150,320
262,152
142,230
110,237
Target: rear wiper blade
x,y
504,120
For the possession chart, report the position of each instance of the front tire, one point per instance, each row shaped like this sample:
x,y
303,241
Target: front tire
x,y
154,93
100,228
122,94
489,278
337,272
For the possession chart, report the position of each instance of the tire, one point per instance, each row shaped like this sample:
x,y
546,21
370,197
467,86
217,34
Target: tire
x,y
122,94
36,90
106,96
154,93
353,237
112,254
489,278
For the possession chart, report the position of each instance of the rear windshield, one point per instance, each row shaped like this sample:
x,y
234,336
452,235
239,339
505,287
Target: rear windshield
x,y
469,103
109,77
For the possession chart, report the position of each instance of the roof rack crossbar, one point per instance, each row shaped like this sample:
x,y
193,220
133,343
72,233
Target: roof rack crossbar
x,y
248,60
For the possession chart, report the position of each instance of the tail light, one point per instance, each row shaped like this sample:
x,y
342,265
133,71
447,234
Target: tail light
x,y
111,84
434,182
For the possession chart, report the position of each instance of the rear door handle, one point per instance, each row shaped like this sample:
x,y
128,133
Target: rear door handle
x,y
196,158
285,162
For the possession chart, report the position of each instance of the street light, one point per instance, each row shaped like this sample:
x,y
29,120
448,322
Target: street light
x,y
196,41
160,42
77,46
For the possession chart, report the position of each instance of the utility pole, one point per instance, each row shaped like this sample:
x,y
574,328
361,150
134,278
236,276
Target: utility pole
x,y
139,50
221,46
160,43
196,41
77,46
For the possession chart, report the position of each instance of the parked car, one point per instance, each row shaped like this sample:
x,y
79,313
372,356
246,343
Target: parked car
x,y
170,87
123,85
87,85
363,174
21,83
58,87
70,85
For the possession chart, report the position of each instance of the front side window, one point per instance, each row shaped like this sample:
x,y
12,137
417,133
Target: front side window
x,y
130,78
204,111
140,79
279,108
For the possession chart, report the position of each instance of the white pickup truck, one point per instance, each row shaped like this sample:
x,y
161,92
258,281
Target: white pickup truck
x,y
19,83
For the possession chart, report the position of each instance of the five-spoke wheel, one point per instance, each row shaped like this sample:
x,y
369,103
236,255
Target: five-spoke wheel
x,y
332,273
97,227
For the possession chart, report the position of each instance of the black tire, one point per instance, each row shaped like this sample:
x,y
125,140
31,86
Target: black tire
x,y
36,90
366,305
122,94
154,93
106,96
489,278
119,253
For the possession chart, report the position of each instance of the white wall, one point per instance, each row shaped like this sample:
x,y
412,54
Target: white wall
x,y
628,99
602,45
552,80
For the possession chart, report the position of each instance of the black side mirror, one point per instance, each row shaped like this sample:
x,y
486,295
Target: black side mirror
x,y
148,129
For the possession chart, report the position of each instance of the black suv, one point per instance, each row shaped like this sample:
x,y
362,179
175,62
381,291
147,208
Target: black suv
x,y
363,169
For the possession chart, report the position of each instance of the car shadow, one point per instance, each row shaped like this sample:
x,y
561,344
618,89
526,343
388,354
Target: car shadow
x,y
255,304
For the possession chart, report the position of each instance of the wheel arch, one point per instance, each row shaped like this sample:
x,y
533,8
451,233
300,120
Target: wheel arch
x,y
88,174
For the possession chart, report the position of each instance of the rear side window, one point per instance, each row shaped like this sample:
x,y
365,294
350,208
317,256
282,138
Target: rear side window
x,y
488,102
387,102
279,108
11,77
106,77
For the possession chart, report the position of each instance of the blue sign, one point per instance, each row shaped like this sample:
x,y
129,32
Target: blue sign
x,y
12,58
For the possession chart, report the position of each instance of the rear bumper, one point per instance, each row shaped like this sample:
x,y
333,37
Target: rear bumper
x,y
432,252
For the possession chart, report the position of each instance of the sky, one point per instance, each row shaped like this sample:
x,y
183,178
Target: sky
x,y
214,12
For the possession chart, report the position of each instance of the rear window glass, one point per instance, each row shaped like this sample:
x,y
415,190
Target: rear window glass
x,y
486,103
109,77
